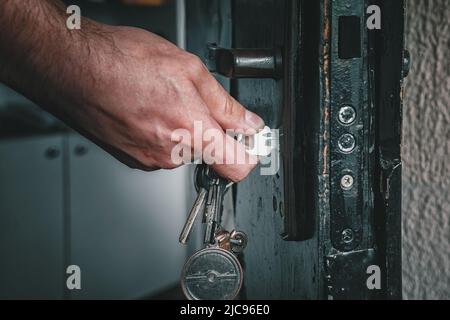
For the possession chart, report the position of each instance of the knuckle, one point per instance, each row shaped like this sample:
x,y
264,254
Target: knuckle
x,y
185,123
159,135
195,65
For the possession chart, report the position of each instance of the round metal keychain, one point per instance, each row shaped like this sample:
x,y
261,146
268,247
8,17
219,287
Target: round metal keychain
x,y
212,274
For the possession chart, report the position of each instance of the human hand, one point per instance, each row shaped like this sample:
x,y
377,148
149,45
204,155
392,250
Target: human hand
x,y
142,88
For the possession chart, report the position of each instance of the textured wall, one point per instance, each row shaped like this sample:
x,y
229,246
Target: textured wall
x,y
426,153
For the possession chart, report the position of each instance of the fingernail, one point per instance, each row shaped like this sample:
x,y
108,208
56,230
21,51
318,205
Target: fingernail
x,y
253,120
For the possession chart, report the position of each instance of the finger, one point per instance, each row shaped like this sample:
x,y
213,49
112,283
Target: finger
x,y
209,142
227,156
229,113
240,166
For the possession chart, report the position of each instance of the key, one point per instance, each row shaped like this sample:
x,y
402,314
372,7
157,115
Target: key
x,y
214,208
209,213
211,190
198,207
213,272
201,182
262,143
218,211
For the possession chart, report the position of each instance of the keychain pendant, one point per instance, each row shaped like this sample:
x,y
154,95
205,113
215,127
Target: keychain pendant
x,y
212,274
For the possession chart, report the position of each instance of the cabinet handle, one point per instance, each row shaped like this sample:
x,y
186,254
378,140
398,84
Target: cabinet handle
x,y
80,150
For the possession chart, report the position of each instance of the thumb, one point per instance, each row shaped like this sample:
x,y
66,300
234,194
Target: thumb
x,y
229,113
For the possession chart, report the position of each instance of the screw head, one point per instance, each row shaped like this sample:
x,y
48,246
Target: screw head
x,y
347,115
347,143
347,236
347,182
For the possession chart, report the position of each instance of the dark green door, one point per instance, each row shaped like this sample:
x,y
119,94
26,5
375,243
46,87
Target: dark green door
x,y
327,223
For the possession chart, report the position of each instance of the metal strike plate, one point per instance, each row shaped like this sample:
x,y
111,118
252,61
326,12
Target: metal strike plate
x,y
245,63
349,126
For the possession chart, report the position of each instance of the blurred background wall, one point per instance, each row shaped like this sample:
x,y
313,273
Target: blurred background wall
x,y
426,153
64,201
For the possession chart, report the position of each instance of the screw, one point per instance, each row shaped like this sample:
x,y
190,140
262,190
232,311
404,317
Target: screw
x,y
347,114
347,182
52,153
347,143
347,236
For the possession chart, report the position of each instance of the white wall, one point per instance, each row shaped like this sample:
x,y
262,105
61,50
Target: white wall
x,y
426,152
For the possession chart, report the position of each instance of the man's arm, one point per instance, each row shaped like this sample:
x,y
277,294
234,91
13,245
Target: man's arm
x,y
124,88
37,51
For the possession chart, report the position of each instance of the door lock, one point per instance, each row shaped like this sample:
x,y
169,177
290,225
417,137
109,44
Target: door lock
x,y
245,63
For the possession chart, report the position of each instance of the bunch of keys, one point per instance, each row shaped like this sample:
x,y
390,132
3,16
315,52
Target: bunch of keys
x,y
213,272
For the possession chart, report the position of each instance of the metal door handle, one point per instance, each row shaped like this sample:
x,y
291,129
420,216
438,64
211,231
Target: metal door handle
x,y
245,63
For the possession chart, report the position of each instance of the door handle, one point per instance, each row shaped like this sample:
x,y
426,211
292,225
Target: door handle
x,y
245,63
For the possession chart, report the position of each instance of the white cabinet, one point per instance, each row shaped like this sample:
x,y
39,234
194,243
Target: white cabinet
x,y
65,201
124,224
31,218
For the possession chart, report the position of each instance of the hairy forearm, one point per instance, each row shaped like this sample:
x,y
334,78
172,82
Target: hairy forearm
x,y
40,57
32,40
125,88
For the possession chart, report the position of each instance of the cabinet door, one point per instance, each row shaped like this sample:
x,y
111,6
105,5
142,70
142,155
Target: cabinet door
x,y
124,225
31,219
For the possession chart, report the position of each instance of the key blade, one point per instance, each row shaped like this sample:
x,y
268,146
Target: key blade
x,y
198,206
218,210
214,209
210,215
